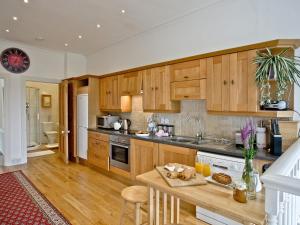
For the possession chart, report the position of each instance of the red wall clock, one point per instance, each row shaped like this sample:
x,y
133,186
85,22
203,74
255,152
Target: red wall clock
x,y
15,60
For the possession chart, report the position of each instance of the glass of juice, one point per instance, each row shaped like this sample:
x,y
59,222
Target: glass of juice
x,y
198,165
206,170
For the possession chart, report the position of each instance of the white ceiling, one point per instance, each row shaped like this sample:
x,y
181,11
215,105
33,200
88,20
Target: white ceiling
x,y
61,21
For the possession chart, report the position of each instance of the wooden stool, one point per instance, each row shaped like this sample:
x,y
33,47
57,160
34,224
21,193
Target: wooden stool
x,y
136,195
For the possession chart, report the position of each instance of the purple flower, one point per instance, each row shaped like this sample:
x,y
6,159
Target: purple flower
x,y
248,134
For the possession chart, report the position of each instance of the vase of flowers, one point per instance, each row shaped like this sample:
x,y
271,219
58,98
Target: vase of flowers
x,y
248,134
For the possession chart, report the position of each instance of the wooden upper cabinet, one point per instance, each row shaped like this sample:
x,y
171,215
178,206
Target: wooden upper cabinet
x,y
231,83
148,90
130,84
156,87
114,96
144,156
191,89
174,154
214,83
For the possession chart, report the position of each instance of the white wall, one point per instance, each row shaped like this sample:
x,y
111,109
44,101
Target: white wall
x,y
229,23
45,65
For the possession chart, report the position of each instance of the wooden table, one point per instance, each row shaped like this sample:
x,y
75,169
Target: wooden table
x,y
211,197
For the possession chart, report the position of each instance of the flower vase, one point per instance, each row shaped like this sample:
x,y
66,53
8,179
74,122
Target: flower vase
x,y
249,179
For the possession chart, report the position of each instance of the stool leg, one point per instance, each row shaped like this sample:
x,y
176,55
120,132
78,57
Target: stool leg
x,y
137,213
123,212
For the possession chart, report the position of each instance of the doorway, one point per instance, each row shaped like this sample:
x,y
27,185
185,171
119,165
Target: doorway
x,y
42,118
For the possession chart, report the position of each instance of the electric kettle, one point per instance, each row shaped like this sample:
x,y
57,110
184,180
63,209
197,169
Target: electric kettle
x,y
126,124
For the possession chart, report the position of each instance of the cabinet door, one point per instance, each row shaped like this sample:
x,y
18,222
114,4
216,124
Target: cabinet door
x,y
214,83
98,153
114,96
193,89
174,154
239,81
103,93
149,90
162,88
185,71
130,84
144,156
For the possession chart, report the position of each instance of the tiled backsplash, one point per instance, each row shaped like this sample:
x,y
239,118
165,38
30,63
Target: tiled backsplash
x,y
192,119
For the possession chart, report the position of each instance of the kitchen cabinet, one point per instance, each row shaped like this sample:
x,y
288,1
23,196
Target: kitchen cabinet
x,y
174,154
130,84
144,156
231,83
193,89
110,99
156,88
188,80
98,150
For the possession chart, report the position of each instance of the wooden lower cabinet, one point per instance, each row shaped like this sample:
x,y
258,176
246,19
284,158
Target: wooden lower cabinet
x,y
175,154
144,156
98,150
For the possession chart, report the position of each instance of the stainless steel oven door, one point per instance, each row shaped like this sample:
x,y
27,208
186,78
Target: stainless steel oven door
x,y
120,156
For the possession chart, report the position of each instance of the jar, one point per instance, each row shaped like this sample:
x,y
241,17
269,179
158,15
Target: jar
x,y
240,192
261,138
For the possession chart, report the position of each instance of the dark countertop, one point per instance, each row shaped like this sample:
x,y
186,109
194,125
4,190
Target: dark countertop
x,y
230,151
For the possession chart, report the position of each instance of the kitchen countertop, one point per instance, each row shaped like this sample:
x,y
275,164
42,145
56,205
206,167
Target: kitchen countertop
x,y
230,151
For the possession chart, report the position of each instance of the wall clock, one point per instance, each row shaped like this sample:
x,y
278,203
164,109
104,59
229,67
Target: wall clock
x,y
15,60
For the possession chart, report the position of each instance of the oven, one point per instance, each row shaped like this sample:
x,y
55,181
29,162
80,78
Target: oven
x,y
120,152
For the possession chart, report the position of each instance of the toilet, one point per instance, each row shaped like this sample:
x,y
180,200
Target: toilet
x,y
49,130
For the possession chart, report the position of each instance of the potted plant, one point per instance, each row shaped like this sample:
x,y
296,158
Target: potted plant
x,y
278,67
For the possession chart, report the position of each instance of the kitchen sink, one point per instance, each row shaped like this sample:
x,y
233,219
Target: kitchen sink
x,y
182,139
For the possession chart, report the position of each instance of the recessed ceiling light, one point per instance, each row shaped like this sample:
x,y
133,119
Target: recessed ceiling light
x,y
66,44
123,11
79,36
39,38
7,30
15,18
98,25
25,1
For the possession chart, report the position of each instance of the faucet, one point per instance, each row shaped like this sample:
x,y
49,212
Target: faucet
x,y
199,136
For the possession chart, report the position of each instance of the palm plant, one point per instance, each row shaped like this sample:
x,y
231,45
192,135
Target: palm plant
x,y
276,67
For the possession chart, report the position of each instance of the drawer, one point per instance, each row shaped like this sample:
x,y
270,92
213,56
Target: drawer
x,y
99,136
195,89
185,71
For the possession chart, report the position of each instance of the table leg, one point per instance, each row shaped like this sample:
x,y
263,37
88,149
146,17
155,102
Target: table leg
x,y
150,206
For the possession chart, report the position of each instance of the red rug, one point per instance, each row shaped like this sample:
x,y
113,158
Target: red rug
x,y
21,203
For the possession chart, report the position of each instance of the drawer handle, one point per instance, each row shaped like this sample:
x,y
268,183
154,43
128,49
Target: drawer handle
x,y
156,88
185,96
225,82
232,81
186,77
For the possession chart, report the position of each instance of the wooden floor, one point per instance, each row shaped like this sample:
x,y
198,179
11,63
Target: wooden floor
x,y
83,195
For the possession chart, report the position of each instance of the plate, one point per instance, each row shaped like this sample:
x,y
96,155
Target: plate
x,y
142,135
210,180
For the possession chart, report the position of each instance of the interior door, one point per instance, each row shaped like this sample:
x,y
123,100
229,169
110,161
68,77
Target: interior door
x,y
63,121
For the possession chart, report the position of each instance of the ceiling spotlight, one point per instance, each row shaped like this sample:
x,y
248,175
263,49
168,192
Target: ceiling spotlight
x,y
7,30
79,36
98,25
39,38
66,44
25,1
123,11
15,18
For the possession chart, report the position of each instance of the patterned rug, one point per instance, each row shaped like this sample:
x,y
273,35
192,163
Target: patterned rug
x,y
21,203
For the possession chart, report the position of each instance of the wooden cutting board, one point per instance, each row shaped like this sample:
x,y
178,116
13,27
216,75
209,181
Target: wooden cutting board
x,y
198,180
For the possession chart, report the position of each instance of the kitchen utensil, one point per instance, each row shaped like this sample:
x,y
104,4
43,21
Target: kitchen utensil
x,y
126,124
117,125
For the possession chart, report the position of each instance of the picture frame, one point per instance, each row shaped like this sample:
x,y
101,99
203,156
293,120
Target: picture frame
x,y
46,101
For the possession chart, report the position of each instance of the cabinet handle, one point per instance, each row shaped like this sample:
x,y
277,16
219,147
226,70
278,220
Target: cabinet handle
x,y
152,88
225,82
185,96
186,77
232,81
156,88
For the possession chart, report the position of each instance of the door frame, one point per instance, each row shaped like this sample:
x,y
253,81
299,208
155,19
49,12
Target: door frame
x,y
24,80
